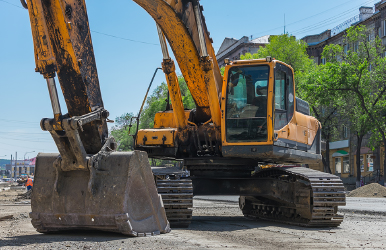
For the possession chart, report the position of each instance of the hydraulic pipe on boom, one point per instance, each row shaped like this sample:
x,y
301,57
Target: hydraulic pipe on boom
x,y
206,64
171,78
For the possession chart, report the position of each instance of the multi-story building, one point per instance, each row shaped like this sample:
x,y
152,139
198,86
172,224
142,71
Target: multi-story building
x,y
232,48
343,152
22,167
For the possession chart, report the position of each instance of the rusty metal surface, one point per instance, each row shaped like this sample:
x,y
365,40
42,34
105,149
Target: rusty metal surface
x,y
313,201
63,26
118,194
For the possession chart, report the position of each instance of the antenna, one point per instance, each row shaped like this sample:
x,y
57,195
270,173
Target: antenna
x,y
284,23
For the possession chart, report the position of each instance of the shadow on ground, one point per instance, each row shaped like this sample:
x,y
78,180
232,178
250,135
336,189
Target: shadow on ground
x,y
199,223
70,236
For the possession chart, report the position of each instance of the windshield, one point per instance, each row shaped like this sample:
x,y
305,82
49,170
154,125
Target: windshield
x,y
246,117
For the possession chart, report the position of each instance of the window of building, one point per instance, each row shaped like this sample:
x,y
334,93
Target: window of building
x,y
384,27
370,162
346,48
346,164
338,165
362,164
323,60
345,131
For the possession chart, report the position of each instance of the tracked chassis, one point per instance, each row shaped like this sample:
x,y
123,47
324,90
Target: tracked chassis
x,y
299,196
176,191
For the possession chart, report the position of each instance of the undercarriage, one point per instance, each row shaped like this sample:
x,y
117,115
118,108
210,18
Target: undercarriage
x,y
293,195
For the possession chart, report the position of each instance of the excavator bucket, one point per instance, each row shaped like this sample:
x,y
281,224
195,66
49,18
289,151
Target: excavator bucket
x,y
117,194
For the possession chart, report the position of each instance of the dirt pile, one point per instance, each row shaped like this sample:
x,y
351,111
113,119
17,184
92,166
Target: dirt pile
x,y
370,190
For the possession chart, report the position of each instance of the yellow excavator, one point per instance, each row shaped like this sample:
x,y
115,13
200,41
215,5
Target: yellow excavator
x,y
244,119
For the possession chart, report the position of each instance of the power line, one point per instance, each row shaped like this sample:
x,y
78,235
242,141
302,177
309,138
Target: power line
x,y
26,133
303,19
98,32
122,38
330,20
14,139
12,4
18,146
18,121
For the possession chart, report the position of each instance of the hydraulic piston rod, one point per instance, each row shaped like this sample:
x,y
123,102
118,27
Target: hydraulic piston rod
x,y
54,102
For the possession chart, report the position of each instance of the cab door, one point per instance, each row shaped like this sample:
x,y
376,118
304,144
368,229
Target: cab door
x,y
284,122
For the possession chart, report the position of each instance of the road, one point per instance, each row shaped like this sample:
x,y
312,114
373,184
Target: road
x,y
217,224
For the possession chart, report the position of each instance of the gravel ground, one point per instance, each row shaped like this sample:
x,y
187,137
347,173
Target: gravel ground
x,y
216,225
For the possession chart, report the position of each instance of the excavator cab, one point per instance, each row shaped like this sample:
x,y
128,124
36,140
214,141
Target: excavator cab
x,y
260,117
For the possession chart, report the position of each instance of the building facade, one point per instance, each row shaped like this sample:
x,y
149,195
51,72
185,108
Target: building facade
x,y
20,168
232,48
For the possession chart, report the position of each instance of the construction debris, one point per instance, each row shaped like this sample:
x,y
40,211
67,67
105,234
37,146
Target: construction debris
x,y
371,190
26,195
8,217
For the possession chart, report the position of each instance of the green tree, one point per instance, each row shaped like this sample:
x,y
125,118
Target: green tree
x,y
354,79
157,101
287,49
120,131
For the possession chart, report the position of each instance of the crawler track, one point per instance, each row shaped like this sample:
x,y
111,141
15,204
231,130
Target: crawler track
x,y
176,190
177,196
314,204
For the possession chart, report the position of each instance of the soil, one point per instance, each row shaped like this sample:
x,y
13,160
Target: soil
x,y
215,225
374,190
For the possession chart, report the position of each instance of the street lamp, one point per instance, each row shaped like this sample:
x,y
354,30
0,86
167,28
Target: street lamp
x,y
28,153
24,168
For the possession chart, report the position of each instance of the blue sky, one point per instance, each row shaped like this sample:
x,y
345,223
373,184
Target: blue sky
x,y
127,52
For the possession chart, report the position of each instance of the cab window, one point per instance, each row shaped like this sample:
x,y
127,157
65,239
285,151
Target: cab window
x,y
284,96
246,110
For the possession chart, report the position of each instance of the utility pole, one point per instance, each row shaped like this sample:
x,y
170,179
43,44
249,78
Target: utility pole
x,y
284,23
15,164
11,166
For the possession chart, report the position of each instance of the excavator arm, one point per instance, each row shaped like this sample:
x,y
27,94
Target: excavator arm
x,y
89,185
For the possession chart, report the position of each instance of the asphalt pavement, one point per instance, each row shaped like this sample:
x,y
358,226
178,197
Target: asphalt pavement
x,y
353,204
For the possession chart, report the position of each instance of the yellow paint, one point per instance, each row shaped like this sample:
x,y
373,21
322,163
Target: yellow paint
x,y
269,100
302,128
183,46
156,137
207,66
174,93
42,45
165,119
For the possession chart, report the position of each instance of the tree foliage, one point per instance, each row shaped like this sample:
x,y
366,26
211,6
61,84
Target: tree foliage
x,y
120,131
353,80
157,101
287,49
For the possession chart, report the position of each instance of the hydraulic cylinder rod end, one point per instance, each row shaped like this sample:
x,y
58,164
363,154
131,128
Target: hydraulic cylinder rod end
x,y
53,96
